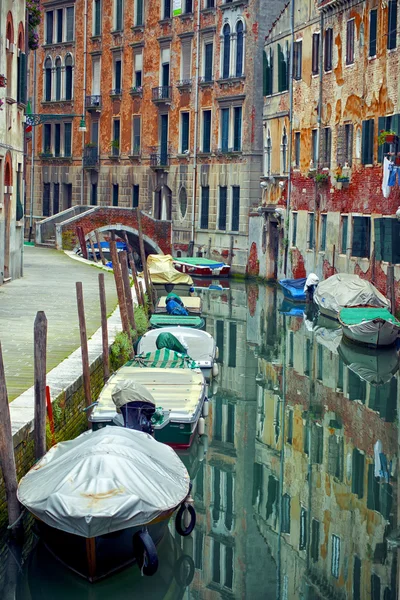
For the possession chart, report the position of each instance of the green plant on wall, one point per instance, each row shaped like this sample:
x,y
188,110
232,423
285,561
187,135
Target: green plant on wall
x,y
120,351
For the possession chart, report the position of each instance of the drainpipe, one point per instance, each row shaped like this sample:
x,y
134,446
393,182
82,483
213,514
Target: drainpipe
x,y
289,187
33,145
85,19
196,118
319,121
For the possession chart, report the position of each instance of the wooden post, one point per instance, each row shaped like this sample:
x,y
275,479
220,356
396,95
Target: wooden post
x,y
142,294
103,260
84,346
104,330
133,267
82,241
144,262
127,288
40,343
92,249
119,284
390,293
7,458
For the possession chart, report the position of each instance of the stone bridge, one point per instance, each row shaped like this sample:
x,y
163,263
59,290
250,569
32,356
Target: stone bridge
x,y
156,234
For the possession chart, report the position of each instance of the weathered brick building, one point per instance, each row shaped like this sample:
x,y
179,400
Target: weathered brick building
x,y
170,97
321,154
12,104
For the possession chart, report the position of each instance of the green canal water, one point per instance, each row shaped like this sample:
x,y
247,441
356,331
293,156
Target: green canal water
x,y
295,483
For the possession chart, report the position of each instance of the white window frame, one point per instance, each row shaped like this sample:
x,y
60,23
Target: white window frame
x,y
184,110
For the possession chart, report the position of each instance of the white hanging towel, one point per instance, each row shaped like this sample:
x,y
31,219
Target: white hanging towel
x,y
377,458
385,188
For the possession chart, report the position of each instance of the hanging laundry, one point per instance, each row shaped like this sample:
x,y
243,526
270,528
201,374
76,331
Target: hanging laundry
x,y
386,173
394,172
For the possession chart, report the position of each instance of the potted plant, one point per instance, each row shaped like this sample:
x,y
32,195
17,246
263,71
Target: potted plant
x,y
397,159
386,137
322,177
3,81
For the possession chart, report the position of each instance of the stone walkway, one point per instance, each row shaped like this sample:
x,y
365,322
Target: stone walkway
x,y
48,284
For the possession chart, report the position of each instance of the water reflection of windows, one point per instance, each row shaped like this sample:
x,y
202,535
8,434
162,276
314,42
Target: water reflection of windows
x,y
258,484
383,399
222,564
303,529
289,438
357,476
307,365
320,357
375,587
198,548
232,344
380,494
315,525
340,376
291,348
357,388
224,421
271,508
285,513
357,579
335,564
314,442
199,483
335,456
219,338
223,498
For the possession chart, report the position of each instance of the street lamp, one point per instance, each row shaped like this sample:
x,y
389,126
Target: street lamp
x,y
82,125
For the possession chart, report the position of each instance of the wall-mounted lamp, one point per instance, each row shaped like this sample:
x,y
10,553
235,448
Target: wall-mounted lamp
x,y
82,125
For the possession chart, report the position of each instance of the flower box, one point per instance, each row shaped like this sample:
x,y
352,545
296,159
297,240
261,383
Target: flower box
x,y
3,81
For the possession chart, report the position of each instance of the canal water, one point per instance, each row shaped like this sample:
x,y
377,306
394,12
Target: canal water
x,y
295,483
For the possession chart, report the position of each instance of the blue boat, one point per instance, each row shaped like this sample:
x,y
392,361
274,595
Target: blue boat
x,y
291,309
293,289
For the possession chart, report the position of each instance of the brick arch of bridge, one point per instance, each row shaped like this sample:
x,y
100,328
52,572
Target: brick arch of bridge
x,y
156,234
150,246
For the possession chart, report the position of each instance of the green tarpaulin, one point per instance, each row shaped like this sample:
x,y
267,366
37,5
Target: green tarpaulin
x,y
162,359
165,320
353,316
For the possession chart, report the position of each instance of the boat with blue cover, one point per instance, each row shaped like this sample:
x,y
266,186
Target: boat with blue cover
x,y
293,289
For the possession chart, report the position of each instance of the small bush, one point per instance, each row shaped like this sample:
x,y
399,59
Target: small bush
x,y
120,351
141,321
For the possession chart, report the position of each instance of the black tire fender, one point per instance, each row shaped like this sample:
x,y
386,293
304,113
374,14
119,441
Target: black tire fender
x,y
184,570
179,525
145,553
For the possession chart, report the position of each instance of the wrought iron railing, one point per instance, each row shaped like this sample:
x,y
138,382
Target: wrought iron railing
x,y
163,92
90,157
159,158
93,101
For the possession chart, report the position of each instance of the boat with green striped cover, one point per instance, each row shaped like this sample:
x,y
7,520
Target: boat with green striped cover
x,y
158,320
162,359
179,394
369,326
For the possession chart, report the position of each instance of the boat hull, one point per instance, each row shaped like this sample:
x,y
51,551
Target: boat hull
x,y
374,333
294,293
202,271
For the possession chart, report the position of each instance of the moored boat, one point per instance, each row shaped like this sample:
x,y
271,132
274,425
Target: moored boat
x,y
165,278
162,320
293,289
104,500
202,267
377,367
192,304
373,327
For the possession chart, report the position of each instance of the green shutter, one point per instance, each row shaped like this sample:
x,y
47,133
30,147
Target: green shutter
x,y
22,78
359,233
381,126
396,241
371,141
378,238
265,73
387,244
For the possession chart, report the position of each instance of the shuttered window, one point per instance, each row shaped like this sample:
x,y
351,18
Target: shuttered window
x,y
357,473
70,23
186,59
322,246
268,79
367,143
135,196
328,49
289,437
361,237
387,123
208,62
373,20
297,148
314,146
335,456
118,15
387,240
223,196
46,200
392,25
235,207
49,26
283,83
315,54
350,42
285,517
303,529
326,147
115,193
206,130
97,18
237,128
315,526
139,13
184,132
205,206
219,338
136,135
57,139
21,89
344,232
297,59
348,143
232,344
67,139
311,228
224,129
294,229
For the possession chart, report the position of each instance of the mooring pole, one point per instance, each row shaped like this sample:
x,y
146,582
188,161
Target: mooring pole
x,y
142,294
7,458
119,284
84,344
103,260
127,288
104,329
132,266
40,344
147,280
92,249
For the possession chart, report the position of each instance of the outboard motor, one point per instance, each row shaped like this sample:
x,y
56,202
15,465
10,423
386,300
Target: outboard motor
x,y
136,405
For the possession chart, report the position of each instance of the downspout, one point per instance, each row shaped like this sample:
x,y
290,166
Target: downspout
x,y
85,18
319,121
196,118
33,145
289,186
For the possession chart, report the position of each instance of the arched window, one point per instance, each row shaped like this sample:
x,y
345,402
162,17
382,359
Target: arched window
x,y
47,79
268,148
58,79
10,50
68,77
226,32
21,67
163,204
183,202
239,49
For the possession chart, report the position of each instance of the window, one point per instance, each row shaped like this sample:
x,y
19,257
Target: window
x,y
344,231
47,138
49,26
210,4
315,53
166,14
283,71
69,35
294,228
57,139
20,211
335,564
21,74
188,6
348,143
297,59
375,587
223,196
237,128
320,359
297,149
208,61
303,529
314,540
357,473
46,200
219,338
235,207
392,25
350,42
307,366
198,548
205,206
373,21
314,147
56,198
322,245
291,349
367,149
239,49
232,344
268,78
186,61
138,66
94,133
335,456
361,237
387,240
226,55
139,13
183,203
284,151
58,79
116,136
118,15
135,196
97,17
311,227
93,194
136,136
286,513
68,77
357,579
206,130
184,132
59,36
67,139
289,437
268,153
47,79
326,147
165,68
328,49
117,75
115,193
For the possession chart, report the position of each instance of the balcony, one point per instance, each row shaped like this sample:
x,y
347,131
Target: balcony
x,y
159,158
93,103
136,91
90,157
161,94
206,80
184,85
116,93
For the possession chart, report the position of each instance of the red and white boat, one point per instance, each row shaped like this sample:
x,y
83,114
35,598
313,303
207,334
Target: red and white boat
x,y
201,267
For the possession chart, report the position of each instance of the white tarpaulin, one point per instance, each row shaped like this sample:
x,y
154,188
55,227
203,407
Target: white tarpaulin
x,y
343,290
104,481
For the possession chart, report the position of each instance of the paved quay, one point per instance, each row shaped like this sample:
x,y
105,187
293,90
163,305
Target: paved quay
x,y
49,285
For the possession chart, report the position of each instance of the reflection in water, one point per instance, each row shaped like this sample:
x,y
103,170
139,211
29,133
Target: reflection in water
x,y
294,485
